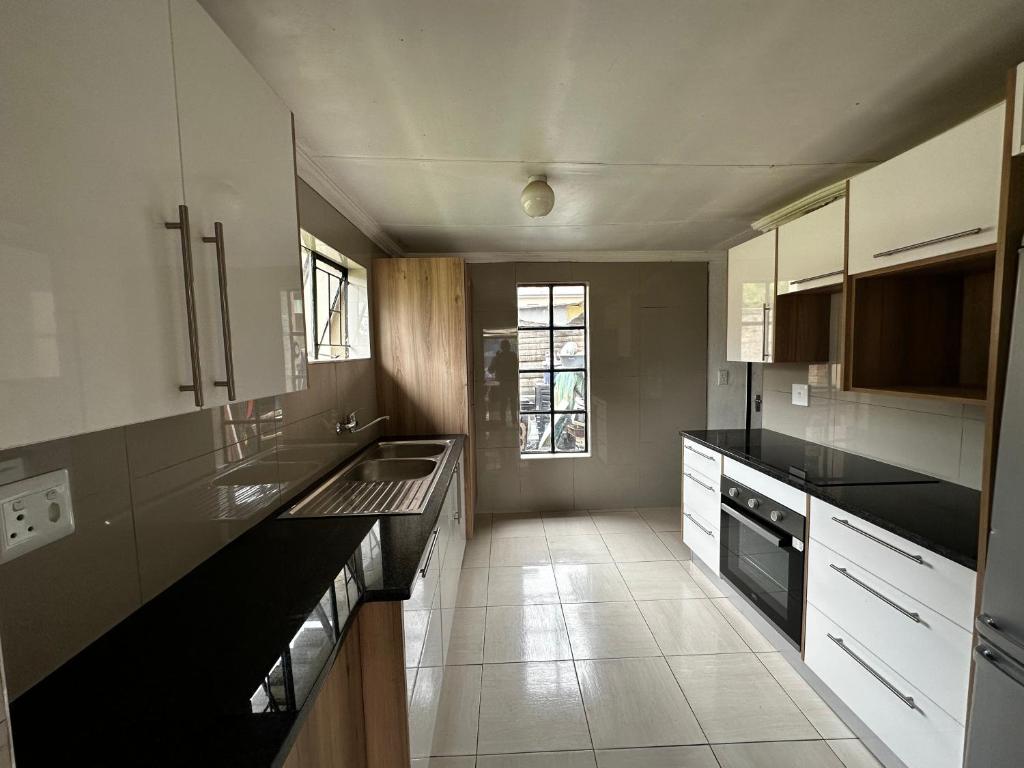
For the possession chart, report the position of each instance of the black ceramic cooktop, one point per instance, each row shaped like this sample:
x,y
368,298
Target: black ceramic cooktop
x,y
935,514
216,669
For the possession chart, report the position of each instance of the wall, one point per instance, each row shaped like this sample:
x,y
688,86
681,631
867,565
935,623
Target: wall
x,y
726,402
931,436
153,500
648,337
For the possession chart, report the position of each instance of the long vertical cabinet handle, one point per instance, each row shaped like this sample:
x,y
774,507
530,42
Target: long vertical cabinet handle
x,y
225,315
185,233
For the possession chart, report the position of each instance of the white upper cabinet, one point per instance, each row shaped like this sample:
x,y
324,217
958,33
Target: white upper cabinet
x,y
92,307
940,197
1017,147
238,162
751,300
811,249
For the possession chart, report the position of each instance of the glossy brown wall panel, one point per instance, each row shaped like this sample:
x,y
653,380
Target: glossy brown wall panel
x,y
334,735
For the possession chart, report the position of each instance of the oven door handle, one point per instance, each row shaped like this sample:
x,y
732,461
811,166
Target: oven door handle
x,y
760,530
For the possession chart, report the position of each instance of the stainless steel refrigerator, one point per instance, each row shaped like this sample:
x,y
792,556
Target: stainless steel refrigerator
x,y
995,725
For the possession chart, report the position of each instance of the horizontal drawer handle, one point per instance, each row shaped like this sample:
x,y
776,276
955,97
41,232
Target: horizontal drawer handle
x,y
933,241
846,523
700,453
698,482
816,277
694,521
908,700
909,614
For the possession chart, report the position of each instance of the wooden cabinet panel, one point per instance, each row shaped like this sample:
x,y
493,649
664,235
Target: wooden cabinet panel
x,y
385,695
333,735
944,187
751,300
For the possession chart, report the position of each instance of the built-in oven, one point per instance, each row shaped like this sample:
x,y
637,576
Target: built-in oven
x,y
762,555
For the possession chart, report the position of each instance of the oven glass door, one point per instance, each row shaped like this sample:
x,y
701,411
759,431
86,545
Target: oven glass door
x,y
765,566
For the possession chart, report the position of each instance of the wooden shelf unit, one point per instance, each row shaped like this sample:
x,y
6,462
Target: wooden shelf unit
x,y
802,325
922,328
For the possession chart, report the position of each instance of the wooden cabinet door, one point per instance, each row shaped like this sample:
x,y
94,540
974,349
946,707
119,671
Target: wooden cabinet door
x,y
812,249
238,162
945,190
751,300
92,307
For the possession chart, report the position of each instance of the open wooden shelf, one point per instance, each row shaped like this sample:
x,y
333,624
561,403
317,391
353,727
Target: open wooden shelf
x,y
802,325
922,329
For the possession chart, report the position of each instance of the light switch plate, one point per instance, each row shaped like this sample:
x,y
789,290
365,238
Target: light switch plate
x,y
35,512
723,377
801,395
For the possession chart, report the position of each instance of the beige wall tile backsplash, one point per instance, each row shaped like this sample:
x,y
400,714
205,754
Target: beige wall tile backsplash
x,y
931,436
648,365
154,500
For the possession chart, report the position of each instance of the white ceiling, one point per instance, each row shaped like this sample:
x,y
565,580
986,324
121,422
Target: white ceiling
x,y
662,124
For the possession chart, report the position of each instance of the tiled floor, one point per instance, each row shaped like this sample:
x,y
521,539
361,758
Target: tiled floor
x,y
591,641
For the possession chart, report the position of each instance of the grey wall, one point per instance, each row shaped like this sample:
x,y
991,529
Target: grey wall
x,y
648,348
149,499
931,436
725,401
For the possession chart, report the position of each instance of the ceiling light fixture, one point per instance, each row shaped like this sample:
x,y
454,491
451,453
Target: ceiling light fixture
x,y
538,197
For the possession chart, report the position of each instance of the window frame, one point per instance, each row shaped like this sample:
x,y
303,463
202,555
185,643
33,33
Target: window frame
x,y
551,370
318,342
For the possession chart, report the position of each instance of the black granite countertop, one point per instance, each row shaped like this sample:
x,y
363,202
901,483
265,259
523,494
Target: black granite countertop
x,y
935,514
196,676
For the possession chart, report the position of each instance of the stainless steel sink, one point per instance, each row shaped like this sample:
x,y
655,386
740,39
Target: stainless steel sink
x,y
392,478
384,470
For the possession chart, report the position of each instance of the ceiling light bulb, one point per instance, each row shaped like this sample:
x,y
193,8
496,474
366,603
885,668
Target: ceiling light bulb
x,y
538,197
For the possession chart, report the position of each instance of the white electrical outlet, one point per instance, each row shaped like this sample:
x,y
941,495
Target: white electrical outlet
x,y
723,377
35,512
801,395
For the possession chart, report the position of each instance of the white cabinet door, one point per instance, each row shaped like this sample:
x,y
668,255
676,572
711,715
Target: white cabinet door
x,y
237,157
751,300
92,308
942,190
1017,147
812,249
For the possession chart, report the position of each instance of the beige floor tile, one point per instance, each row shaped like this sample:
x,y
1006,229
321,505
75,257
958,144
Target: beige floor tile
x,y
527,585
431,655
635,703
589,548
708,587
750,634
736,699
568,524
469,590
658,757
673,541
532,550
443,712
533,707
465,627
424,589
853,753
619,521
516,525
577,759
662,518
410,682
478,552
824,720
684,627
659,580
465,761
778,754
636,547
608,631
590,583
525,633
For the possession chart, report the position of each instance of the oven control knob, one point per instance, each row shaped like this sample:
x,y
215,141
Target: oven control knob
x,y
753,503
776,516
734,492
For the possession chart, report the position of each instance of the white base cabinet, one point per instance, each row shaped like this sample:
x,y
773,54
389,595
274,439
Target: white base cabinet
x,y
702,475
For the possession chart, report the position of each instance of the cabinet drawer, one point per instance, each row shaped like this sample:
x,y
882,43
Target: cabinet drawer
x,y
700,496
941,584
932,652
924,736
704,461
941,190
701,537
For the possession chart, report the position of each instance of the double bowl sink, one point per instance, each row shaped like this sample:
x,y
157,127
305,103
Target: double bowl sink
x,y
391,478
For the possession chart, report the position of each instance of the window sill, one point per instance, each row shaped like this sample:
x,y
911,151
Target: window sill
x,y
340,360
532,456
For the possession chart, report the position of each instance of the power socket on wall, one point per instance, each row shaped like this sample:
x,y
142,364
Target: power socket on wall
x,y
801,395
35,512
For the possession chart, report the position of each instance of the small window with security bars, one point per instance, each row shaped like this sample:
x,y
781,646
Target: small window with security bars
x,y
554,394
